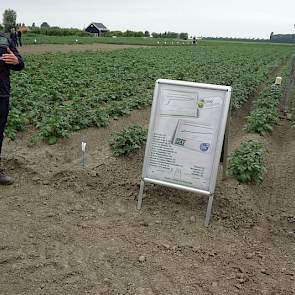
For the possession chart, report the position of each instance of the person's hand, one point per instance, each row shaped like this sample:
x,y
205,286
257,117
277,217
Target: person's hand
x,y
10,58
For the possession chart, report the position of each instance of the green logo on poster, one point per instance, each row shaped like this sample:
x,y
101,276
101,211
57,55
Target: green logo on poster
x,y
180,141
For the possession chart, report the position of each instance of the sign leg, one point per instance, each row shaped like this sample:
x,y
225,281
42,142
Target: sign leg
x,y
139,199
225,154
226,143
209,208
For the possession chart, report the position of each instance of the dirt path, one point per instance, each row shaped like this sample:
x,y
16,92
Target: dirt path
x,y
68,230
45,48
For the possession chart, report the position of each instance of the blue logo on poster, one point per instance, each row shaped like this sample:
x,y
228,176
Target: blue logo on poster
x,y
204,147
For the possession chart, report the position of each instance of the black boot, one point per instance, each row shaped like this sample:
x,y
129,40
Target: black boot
x,y
4,178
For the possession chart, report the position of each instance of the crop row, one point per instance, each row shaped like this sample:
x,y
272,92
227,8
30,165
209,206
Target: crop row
x,y
265,112
61,93
248,162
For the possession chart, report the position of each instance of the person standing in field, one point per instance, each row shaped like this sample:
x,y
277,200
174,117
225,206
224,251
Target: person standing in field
x,y
10,59
19,37
194,40
13,37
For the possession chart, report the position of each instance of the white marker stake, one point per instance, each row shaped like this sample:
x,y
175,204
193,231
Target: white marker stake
x,y
83,149
278,81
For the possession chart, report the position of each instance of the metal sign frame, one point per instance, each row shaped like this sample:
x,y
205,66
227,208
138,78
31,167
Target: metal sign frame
x,y
222,137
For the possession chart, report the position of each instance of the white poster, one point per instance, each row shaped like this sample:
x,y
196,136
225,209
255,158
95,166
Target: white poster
x,y
186,134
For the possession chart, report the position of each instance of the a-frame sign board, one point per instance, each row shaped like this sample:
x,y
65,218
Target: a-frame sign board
x,y
186,133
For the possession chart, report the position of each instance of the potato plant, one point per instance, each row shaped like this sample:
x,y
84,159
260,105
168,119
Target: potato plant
x,y
247,163
129,139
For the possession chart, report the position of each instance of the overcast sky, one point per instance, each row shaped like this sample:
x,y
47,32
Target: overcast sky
x,y
231,18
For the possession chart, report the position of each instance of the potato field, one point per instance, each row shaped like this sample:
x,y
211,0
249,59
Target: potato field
x,y
55,89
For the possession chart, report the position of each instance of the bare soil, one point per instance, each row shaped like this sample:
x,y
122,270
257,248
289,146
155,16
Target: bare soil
x,y
65,229
45,48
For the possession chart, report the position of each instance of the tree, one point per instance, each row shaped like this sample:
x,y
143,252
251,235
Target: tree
x,y
9,19
44,25
183,36
156,35
146,33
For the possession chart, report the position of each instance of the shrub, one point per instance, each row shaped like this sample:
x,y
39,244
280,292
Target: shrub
x,y
246,163
56,31
128,140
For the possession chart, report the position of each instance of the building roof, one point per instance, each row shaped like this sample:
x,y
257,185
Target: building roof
x,y
99,26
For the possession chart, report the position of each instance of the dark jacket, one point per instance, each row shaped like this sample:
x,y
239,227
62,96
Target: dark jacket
x,y
5,68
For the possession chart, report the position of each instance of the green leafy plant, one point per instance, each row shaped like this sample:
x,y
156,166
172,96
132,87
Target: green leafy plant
x,y
261,120
128,140
246,163
55,126
16,122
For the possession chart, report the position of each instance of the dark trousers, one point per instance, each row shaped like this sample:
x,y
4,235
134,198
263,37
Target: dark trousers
x,y
15,43
4,110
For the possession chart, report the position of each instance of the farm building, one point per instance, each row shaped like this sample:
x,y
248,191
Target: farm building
x,y
96,28
282,38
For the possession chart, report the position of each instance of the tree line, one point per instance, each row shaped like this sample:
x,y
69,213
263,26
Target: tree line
x,y
128,33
